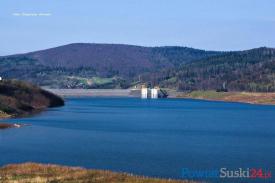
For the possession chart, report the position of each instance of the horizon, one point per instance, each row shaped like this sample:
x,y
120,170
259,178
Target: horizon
x,y
208,25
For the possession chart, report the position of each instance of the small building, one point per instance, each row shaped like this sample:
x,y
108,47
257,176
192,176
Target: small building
x,y
0,78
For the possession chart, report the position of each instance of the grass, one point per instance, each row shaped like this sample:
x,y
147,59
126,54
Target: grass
x,y
207,94
39,173
102,81
245,97
93,80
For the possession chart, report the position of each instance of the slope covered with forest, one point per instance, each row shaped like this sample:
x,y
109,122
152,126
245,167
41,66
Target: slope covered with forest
x,y
122,66
252,70
95,65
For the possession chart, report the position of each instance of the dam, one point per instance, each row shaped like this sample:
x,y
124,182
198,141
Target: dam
x,y
152,93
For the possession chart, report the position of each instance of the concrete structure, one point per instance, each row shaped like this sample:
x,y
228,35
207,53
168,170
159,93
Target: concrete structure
x,y
144,92
154,92
149,92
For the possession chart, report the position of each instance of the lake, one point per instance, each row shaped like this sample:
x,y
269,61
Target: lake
x,y
146,137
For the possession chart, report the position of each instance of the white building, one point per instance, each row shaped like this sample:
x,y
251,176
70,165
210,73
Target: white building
x,y
0,78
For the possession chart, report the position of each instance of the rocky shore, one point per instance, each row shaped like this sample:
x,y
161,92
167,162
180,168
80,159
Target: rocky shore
x,y
6,125
14,125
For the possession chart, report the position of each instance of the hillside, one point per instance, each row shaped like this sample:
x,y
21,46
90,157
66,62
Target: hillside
x,y
124,60
122,66
95,65
251,70
39,173
18,98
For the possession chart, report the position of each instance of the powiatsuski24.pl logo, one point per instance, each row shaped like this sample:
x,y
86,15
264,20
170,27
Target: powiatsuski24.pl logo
x,y
223,173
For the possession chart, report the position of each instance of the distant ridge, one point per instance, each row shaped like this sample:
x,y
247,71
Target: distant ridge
x,y
123,59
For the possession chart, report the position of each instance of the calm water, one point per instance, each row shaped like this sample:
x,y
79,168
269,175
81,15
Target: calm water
x,y
148,137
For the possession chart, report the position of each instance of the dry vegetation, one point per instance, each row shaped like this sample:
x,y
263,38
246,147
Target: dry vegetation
x,y
3,115
38,173
245,97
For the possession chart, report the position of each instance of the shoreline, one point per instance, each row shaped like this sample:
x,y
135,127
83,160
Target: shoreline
x,y
4,125
240,97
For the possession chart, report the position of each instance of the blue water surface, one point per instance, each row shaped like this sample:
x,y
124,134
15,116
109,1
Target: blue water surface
x,y
146,137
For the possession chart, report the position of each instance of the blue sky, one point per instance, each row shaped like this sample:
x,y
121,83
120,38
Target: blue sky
x,y
204,24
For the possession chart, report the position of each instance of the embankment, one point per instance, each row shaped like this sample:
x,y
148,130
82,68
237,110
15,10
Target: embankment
x,y
243,97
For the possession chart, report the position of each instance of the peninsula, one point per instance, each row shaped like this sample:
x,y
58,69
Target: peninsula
x,y
18,99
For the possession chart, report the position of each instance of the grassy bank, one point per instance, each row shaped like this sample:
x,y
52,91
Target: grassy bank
x,y
245,97
38,173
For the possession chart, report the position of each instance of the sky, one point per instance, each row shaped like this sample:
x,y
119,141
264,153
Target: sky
x,y
30,25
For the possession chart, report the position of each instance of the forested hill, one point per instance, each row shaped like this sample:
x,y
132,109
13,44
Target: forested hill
x,y
82,65
115,59
122,66
252,70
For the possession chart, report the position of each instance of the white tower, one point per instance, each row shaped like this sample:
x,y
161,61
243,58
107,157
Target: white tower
x,y
144,92
154,92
